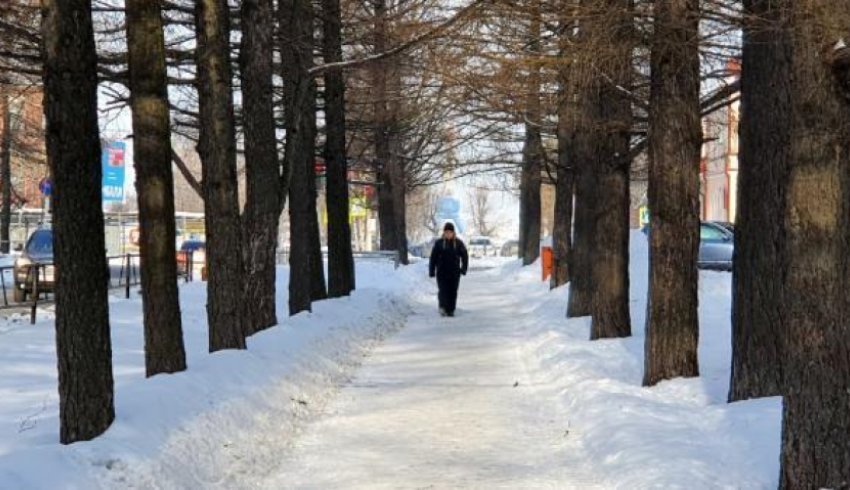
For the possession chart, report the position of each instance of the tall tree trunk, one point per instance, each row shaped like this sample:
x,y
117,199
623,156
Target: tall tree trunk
x,y
318,289
217,148
584,81
340,259
261,215
384,128
6,174
675,139
564,187
164,352
306,281
397,165
815,306
83,348
610,308
532,151
765,130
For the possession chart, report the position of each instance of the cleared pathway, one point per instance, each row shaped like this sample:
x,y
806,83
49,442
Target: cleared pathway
x,y
436,406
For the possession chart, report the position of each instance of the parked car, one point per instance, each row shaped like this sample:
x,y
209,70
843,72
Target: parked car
x,y
194,250
510,249
481,246
37,255
730,227
716,247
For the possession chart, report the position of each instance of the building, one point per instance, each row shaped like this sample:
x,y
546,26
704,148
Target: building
x,y
22,107
719,162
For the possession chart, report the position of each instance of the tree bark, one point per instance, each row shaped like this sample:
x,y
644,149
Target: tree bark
x,y
532,151
6,174
584,118
164,351
675,139
86,407
815,306
565,185
765,129
340,260
306,281
610,269
217,149
261,216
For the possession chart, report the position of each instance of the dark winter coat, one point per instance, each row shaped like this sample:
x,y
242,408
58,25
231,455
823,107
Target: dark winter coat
x,y
449,259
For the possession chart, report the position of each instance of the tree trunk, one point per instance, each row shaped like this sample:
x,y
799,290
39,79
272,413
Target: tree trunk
x,y
305,282
340,259
564,187
164,352
610,307
6,174
83,347
261,215
532,151
765,130
384,133
529,233
815,306
217,149
675,139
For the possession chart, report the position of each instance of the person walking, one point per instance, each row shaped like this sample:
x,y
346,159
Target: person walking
x,y
449,261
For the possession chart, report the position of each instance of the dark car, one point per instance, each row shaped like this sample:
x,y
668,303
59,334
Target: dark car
x,y
37,255
191,250
716,246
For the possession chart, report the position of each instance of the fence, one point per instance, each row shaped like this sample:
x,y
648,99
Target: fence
x,y
32,285
388,255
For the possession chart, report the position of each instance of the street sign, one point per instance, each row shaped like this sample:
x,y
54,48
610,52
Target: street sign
x,y
45,186
112,161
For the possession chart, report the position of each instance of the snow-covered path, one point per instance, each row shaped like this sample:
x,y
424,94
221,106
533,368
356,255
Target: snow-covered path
x,y
446,403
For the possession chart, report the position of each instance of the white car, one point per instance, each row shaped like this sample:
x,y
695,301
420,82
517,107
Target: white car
x,y
481,246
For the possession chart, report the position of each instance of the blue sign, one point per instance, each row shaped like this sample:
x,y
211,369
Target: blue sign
x,y
46,186
112,162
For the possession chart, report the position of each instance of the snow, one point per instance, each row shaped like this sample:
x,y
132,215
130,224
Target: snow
x,y
378,391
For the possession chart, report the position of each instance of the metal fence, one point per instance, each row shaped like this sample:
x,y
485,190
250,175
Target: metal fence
x,y
379,255
31,285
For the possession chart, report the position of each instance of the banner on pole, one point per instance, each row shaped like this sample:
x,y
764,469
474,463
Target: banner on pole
x,y
113,165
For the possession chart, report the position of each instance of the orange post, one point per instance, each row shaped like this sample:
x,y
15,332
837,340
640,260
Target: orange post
x,y
547,261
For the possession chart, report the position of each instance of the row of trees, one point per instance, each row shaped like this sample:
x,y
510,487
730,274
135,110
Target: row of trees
x,y
635,77
176,65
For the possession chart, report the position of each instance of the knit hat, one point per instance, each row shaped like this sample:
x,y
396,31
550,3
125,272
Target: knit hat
x,y
449,226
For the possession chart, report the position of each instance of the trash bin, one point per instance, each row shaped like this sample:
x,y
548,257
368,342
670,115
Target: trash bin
x,y
547,261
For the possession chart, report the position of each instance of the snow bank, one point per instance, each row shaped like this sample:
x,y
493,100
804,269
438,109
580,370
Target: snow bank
x,y
679,434
189,430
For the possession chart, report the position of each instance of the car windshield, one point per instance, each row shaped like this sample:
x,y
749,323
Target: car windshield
x,y
480,241
707,232
40,243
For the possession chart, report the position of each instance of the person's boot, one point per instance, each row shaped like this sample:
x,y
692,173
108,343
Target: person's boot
x,y
443,312
450,313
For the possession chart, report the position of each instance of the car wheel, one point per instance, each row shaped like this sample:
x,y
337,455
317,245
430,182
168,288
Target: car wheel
x,y
20,295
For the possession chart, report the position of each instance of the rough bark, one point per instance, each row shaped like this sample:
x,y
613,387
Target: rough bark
x,y
675,138
532,151
260,219
564,189
765,129
296,21
83,347
610,269
217,149
815,306
6,174
164,352
340,261
583,119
